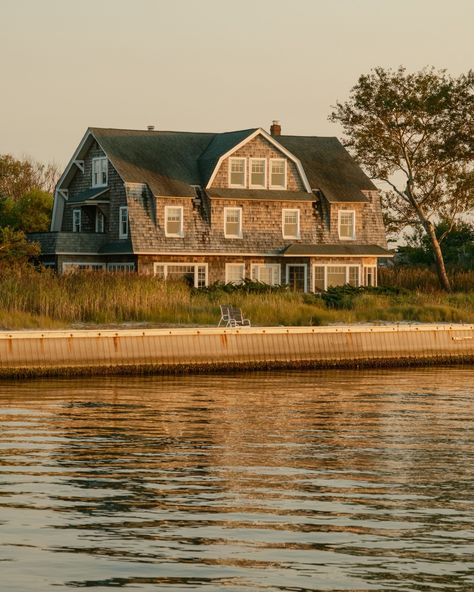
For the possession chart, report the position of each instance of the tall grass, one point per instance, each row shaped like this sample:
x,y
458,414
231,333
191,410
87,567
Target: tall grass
x,y
31,299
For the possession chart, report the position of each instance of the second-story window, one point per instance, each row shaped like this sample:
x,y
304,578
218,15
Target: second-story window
x,y
277,173
291,223
174,221
237,172
346,224
258,173
76,220
99,172
233,222
123,222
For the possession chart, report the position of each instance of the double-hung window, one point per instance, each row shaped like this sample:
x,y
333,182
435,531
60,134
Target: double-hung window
x,y
233,222
99,172
258,173
76,220
174,221
237,172
277,173
346,224
123,222
291,223
327,276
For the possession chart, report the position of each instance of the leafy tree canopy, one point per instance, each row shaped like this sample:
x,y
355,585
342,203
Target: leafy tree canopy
x,y
31,212
18,177
415,133
15,249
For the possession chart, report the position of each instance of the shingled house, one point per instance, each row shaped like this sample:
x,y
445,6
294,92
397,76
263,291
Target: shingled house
x,y
217,207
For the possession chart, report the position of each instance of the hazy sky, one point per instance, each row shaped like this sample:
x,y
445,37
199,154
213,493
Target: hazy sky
x,y
205,65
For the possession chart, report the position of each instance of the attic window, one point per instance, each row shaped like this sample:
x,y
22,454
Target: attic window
x,y
237,172
174,221
99,172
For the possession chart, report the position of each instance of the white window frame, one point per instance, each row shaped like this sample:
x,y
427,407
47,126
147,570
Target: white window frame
x,y
235,209
68,266
283,212
77,227
326,265
265,165
236,185
124,266
99,215
123,234
365,271
100,183
258,266
227,269
288,265
180,233
271,186
166,264
353,212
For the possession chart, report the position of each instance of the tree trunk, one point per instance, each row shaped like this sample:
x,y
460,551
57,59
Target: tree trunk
x,y
439,260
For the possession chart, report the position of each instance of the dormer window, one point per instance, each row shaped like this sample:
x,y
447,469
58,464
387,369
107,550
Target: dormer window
x,y
277,173
346,224
237,172
258,173
99,172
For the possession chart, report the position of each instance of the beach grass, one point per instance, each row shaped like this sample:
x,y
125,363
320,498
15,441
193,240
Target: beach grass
x,y
43,300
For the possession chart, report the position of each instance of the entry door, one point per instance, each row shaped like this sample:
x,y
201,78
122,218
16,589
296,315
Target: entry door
x,y
296,277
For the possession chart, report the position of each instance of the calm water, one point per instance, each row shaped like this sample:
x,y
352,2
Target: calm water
x,y
277,481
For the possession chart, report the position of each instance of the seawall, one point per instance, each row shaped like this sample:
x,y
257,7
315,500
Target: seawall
x,y
65,353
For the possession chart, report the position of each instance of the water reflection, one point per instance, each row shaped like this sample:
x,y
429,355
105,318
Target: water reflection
x,y
273,481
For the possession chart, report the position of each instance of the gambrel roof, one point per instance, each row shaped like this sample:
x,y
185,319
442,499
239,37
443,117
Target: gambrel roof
x,y
171,163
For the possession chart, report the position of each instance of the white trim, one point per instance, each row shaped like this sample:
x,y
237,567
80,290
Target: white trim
x,y
233,185
125,266
298,230
344,211
74,212
288,265
180,233
100,184
226,234
228,265
194,264
276,266
365,269
64,193
326,265
73,264
80,165
276,187
270,139
123,234
57,211
265,165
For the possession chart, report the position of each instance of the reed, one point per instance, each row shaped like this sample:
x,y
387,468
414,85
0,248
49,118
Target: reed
x,y
44,300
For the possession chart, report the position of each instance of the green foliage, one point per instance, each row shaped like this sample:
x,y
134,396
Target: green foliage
x,y
457,245
31,212
15,249
247,286
344,297
18,177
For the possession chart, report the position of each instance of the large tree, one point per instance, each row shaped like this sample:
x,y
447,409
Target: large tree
x,y
18,177
415,132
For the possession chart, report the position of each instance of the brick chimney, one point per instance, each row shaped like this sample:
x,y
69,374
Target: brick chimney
x,y
275,128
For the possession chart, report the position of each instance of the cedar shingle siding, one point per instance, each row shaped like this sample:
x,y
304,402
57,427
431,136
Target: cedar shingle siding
x,y
149,170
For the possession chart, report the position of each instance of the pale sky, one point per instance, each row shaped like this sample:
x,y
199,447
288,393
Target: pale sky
x,y
205,65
